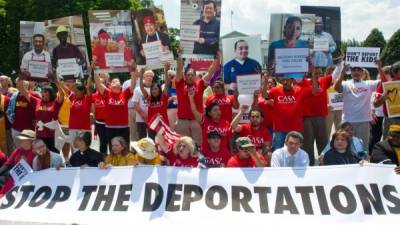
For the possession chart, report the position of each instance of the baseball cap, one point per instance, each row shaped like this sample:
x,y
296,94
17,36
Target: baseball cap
x,y
244,142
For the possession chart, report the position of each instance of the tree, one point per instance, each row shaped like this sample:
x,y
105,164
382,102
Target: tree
x,y
349,43
375,39
391,53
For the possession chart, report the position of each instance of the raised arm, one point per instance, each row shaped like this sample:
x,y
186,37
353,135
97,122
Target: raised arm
x,y
167,81
142,89
212,69
382,75
315,84
235,122
60,92
22,89
133,76
338,83
197,115
179,69
99,85
89,82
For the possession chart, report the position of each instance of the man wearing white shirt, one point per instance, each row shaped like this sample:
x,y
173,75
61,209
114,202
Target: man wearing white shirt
x,y
291,155
356,101
36,54
141,106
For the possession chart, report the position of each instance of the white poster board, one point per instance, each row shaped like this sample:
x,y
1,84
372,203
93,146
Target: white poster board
x,y
362,57
38,69
321,44
114,59
291,60
248,83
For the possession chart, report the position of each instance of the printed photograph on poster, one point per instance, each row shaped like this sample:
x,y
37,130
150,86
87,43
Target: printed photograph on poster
x,y
200,27
362,56
241,57
112,40
392,91
327,35
67,46
153,42
35,60
289,31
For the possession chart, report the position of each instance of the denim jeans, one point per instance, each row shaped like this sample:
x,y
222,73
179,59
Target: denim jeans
x,y
278,139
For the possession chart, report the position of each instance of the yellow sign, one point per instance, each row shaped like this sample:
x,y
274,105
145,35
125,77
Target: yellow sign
x,y
392,91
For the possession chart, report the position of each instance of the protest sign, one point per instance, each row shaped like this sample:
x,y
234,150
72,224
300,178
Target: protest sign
x,y
291,60
114,59
112,40
68,69
237,196
196,39
153,39
362,57
248,83
392,90
321,44
20,170
38,70
335,100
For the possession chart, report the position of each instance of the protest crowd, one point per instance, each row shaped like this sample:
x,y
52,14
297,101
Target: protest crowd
x,y
190,119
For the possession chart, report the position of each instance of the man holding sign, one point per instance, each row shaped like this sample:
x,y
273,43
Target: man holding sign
x,y
66,50
324,46
35,63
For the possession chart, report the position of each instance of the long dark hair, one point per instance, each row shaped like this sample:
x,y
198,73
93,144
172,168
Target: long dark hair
x,y
209,108
160,93
49,89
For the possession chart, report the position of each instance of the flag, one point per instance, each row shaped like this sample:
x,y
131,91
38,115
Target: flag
x,y
158,125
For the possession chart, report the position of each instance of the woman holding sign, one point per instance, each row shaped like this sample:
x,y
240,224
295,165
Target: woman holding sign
x,y
292,33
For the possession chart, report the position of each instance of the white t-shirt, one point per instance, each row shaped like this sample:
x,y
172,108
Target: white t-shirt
x,y
138,97
356,100
44,56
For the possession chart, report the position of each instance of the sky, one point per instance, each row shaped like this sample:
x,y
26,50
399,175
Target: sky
x,y
359,17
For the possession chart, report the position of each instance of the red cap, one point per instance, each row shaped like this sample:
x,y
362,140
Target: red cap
x,y
104,35
148,19
121,38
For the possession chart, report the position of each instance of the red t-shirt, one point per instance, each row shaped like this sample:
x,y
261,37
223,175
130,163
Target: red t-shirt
x,y
379,91
222,127
317,105
18,154
234,161
79,116
258,137
100,51
160,107
216,159
225,103
117,107
175,160
288,108
182,91
3,158
25,113
46,112
100,112
268,111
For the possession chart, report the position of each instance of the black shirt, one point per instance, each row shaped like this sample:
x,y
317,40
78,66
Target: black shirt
x,y
333,157
89,157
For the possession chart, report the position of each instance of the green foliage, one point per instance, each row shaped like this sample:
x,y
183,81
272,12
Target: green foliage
x,y
349,43
391,53
375,39
13,11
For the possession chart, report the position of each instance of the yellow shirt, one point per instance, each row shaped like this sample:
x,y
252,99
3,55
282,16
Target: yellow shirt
x,y
63,113
397,151
121,160
156,161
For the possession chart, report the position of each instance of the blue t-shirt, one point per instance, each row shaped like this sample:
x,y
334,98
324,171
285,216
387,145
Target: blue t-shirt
x,y
234,68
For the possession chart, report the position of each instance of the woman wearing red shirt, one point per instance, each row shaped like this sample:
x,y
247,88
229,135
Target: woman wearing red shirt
x,y
157,100
211,122
116,102
46,111
225,102
181,154
100,114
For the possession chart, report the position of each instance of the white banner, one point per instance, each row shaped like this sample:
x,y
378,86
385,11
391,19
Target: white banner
x,y
248,83
321,44
362,57
291,60
190,32
367,195
114,59
38,69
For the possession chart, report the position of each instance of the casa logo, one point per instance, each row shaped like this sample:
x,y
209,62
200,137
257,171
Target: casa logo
x,y
358,90
113,101
286,99
214,161
256,140
220,130
222,101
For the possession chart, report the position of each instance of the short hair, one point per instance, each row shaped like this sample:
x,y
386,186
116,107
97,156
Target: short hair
x,y
292,19
343,133
206,2
38,35
122,142
80,87
85,137
295,135
256,110
345,125
395,68
188,141
241,40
